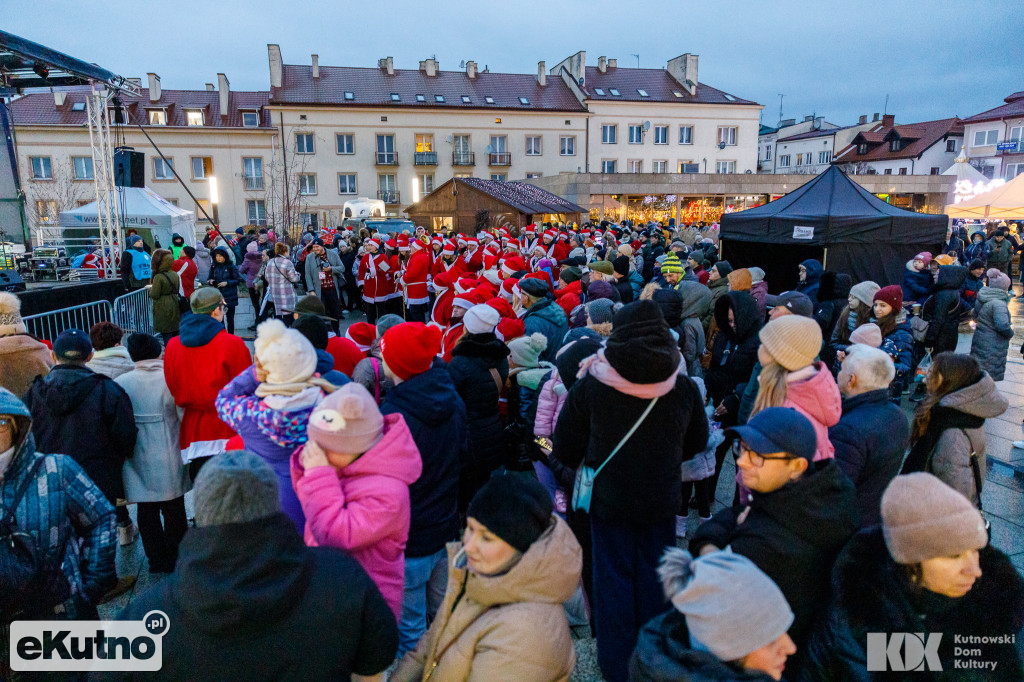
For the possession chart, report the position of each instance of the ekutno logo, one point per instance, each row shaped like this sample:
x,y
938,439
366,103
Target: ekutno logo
x,y
109,645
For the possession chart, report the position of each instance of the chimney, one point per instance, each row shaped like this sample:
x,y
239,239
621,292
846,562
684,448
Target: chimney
x,y
154,87
875,117
602,64
316,66
613,63
541,75
59,97
225,93
889,120
471,69
387,64
862,120
808,118
209,87
785,123
276,68
684,70
429,67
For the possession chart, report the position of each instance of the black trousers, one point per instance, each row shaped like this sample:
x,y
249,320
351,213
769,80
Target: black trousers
x,y
393,306
417,313
161,540
705,496
352,293
329,296
229,318
255,298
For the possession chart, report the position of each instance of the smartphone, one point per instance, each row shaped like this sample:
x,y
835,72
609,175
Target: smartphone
x,y
545,444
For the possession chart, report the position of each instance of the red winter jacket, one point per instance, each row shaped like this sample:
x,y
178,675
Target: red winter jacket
x,y
415,279
568,297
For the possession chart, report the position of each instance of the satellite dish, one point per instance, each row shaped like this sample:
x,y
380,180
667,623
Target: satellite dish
x,y
721,145
488,149
462,64
647,125
748,171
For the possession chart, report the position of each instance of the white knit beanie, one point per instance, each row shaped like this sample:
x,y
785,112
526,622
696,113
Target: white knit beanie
x,y
286,355
10,315
481,319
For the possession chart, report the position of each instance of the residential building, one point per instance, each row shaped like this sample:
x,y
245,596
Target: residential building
x,y
768,137
805,148
207,133
994,139
926,148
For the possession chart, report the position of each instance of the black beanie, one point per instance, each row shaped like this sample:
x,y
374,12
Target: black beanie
x,y
977,264
569,358
641,348
314,329
724,268
143,347
515,508
621,265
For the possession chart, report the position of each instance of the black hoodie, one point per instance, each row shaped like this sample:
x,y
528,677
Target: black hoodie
x,y
943,309
734,352
833,296
250,601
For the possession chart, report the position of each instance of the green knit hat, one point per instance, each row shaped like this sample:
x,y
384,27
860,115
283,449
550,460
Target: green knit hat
x,y
671,264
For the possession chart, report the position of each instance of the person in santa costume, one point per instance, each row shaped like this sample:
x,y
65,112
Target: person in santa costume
x,y
529,239
460,305
372,274
474,256
393,295
441,311
414,280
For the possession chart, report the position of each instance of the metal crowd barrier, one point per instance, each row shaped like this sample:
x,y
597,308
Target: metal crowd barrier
x,y
132,312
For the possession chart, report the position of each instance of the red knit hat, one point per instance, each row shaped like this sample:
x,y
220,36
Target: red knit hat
x,y
362,334
892,294
409,348
510,328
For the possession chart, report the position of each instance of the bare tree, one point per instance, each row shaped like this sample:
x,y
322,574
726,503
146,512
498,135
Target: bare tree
x,y
48,198
290,202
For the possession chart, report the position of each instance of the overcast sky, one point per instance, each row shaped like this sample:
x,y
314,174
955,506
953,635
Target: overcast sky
x,y
839,59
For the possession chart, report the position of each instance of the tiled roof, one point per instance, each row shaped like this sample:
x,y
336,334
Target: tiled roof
x,y
374,87
39,109
523,196
810,134
657,83
1013,108
920,136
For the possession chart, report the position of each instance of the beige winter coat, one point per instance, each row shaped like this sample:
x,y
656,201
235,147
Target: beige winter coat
x,y
507,627
22,359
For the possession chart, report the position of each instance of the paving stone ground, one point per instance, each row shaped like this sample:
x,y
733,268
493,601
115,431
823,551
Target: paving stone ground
x,y
1002,498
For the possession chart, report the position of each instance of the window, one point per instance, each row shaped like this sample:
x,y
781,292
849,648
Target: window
x,y
499,177
599,91
162,169
608,133
533,145
799,159
202,167
1013,170
862,148
499,144
767,152
250,119
903,171
530,176
784,161
461,154
934,170
252,173
567,145
608,166
257,211
636,134
660,134
116,115
47,211
887,171
193,117
395,97
157,117
346,183
345,143
203,210
523,100
642,92
386,149
685,134
727,167
304,143
387,188
173,202
659,166
489,99
424,143
78,106
689,166
951,145
307,183
350,95
677,94
41,169
82,166
824,157
895,145
466,99
421,98
425,183
439,99
727,135
634,166
615,92
983,138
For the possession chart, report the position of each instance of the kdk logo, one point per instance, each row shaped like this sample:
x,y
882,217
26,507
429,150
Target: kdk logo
x,y
61,645
904,652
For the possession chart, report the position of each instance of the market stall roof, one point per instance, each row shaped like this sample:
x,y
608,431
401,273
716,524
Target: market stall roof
x,y
140,208
523,196
1003,202
25,64
962,170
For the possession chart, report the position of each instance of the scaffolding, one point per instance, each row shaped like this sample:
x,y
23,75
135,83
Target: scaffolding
x,y
111,230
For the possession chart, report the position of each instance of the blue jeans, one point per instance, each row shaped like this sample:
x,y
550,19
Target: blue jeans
x,y
426,579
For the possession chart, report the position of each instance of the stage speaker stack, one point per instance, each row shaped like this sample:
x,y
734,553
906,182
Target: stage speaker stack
x,y
129,167
11,281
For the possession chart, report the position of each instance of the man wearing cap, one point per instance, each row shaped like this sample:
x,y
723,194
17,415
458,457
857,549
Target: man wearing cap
x,y
247,585
198,363
801,514
325,276
543,315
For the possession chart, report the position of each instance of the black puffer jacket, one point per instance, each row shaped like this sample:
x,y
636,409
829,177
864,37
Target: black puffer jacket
x,y
833,295
664,654
734,352
872,594
943,311
792,534
523,391
88,417
473,358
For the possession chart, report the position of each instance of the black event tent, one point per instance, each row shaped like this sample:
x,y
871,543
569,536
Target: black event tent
x,y
838,222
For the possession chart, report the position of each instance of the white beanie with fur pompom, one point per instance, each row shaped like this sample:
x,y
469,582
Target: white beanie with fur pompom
x,y
10,315
286,355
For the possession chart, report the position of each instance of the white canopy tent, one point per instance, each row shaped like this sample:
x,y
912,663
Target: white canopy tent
x,y
962,170
141,209
1005,202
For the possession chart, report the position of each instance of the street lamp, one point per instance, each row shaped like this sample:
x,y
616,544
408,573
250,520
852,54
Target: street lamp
x,y
213,200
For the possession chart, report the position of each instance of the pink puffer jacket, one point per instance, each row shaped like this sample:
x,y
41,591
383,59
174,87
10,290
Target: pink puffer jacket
x,y
812,392
549,406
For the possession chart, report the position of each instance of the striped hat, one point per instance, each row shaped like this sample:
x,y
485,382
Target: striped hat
x,y
671,264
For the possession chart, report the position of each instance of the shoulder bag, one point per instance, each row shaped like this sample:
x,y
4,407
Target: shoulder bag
x,y
584,488
183,303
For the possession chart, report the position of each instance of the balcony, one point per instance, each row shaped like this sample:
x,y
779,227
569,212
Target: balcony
x,y
388,196
463,159
387,158
252,183
425,158
499,159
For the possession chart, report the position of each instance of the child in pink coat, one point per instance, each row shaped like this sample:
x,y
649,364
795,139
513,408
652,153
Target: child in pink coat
x,y
352,479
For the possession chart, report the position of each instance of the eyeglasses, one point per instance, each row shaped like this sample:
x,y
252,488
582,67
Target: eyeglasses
x,y
756,459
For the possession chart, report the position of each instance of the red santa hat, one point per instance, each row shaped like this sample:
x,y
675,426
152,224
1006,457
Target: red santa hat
x,y
391,244
543,276
492,247
503,307
409,348
490,261
465,300
443,280
564,236
509,289
418,244
362,334
510,328
403,243
550,234
472,241
450,247
513,245
531,229
512,265
461,239
375,243
465,284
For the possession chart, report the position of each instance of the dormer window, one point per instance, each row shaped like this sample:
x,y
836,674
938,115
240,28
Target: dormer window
x,y
194,117
862,148
895,145
157,117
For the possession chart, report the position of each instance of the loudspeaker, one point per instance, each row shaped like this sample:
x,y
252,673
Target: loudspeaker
x,y
129,167
10,280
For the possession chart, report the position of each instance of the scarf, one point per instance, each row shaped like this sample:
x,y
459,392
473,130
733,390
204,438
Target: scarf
x,y
598,367
942,418
313,384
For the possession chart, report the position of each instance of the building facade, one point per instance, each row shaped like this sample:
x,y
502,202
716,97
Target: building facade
x,y
994,139
926,148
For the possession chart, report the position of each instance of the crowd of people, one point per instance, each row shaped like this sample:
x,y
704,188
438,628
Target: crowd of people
x,y
526,434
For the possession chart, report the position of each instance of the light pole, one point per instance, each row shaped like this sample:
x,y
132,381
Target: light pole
x,y
214,200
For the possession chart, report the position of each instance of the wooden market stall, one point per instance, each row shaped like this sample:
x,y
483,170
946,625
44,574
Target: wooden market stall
x,y
471,204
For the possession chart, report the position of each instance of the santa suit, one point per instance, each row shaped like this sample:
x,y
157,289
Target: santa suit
x,y
371,277
440,266
451,337
441,314
415,278
474,261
